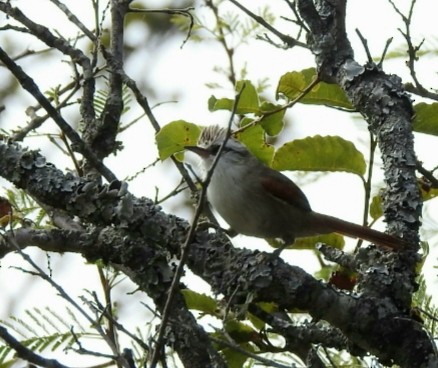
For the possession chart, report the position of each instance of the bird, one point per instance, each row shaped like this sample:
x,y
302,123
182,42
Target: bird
x,y
258,201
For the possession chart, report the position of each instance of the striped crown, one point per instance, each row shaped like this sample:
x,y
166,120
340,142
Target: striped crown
x,y
211,134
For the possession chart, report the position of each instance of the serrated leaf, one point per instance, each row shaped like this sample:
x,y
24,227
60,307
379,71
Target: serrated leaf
x,y
292,84
317,153
426,118
198,301
254,139
173,137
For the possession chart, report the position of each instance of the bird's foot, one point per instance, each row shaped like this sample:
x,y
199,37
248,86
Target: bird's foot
x,y
276,253
282,245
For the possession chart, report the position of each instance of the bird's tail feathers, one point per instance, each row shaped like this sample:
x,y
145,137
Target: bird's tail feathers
x,y
329,224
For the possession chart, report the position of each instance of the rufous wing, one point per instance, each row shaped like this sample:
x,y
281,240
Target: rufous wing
x,y
285,189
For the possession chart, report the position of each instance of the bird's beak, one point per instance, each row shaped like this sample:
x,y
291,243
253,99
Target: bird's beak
x,y
203,152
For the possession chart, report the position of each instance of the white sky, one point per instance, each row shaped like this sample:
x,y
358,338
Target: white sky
x,y
183,73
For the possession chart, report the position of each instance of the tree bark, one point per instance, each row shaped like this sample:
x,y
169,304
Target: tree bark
x,y
136,236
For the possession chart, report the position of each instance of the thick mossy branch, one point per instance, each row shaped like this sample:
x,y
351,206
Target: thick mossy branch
x,y
136,235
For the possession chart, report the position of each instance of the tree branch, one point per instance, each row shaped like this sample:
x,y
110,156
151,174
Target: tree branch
x,y
101,135
380,98
27,354
289,41
29,85
138,251
389,334
133,234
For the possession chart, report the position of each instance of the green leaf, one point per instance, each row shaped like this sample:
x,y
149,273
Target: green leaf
x,y
426,118
254,139
236,359
249,103
173,137
334,240
200,302
376,210
272,123
292,84
215,104
309,242
248,100
330,153
429,193
326,272
267,307
240,332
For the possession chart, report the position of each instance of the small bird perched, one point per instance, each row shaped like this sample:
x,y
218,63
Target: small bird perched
x,y
258,201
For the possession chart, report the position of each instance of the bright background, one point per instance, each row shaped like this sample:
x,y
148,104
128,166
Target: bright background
x,y
178,75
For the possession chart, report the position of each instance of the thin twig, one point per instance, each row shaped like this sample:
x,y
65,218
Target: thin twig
x,y
412,50
281,108
367,185
74,19
186,246
427,174
186,12
409,87
178,189
111,330
39,272
109,315
296,99
71,154
299,21
82,350
29,85
144,103
385,50
365,46
290,41
27,354
223,41
234,346
37,121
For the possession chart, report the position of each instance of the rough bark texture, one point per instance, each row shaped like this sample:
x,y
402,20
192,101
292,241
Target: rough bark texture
x,y
137,237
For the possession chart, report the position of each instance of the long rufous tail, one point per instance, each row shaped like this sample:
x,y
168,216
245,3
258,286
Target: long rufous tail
x,y
329,224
